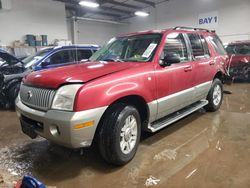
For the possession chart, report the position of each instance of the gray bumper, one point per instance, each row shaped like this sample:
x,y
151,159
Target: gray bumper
x,y
57,126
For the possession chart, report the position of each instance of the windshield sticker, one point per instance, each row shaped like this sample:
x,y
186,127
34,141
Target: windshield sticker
x,y
149,50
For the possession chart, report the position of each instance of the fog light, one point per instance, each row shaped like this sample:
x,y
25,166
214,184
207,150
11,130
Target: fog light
x,y
54,130
83,125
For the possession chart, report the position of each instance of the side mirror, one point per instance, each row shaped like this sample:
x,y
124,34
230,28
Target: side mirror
x,y
170,58
45,64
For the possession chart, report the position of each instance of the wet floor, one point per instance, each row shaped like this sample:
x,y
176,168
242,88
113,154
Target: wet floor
x,y
202,150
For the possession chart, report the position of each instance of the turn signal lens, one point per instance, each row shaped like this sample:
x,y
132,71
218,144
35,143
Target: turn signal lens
x,y
83,125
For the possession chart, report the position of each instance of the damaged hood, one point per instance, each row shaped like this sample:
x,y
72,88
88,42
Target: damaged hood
x,y
8,58
77,73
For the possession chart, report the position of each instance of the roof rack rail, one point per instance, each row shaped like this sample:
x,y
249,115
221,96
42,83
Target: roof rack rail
x,y
193,28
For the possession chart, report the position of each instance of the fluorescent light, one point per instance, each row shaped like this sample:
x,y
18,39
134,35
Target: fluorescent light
x,y
89,4
141,13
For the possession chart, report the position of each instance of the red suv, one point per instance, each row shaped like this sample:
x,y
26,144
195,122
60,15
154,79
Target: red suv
x,y
140,81
240,60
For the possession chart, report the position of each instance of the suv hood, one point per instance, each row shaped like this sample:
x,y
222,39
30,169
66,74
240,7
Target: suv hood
x,y
77,73
8,58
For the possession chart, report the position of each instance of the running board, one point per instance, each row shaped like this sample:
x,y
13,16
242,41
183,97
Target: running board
x,y
163,122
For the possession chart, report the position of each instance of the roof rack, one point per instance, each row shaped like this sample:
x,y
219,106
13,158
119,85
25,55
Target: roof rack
x,y
194,29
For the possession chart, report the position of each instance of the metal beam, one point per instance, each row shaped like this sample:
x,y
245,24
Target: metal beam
x,y
100,9
120,4
99,20
100,12
115,10
150,3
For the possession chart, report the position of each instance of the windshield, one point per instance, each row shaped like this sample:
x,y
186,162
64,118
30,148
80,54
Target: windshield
x,y
31,60
238,49
139,48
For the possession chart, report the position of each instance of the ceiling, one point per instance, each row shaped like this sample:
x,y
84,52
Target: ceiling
x,y
116,10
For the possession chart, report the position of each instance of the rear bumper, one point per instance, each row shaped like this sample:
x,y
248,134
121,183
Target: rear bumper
x,y
58,126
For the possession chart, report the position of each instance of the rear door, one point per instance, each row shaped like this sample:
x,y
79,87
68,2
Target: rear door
x,y
174,82
203,63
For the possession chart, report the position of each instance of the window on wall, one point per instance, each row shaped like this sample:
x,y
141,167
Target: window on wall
x,y
175,44
216,42
198,46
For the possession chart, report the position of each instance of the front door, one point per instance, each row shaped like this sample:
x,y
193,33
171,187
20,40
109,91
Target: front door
x,y
175,82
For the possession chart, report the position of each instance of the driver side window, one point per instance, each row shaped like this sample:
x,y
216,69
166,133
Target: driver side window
x,y
175,45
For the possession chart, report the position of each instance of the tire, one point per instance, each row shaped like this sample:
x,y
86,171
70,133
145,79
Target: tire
x,y
113,126
12,95
215,96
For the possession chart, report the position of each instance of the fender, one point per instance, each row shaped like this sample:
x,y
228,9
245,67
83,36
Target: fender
x,y
106,90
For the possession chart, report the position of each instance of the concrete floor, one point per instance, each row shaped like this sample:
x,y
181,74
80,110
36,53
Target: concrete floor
x,y
202,150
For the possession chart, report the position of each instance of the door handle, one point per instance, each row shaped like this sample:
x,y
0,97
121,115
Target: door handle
x,y
189,68
211,63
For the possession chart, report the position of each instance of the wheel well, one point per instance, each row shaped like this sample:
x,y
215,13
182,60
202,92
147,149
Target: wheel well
x,y
139,103
220,76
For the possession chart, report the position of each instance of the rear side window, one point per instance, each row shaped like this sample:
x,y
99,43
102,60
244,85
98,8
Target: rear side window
x,y
82,54
175,44
199,46
205,46
217,44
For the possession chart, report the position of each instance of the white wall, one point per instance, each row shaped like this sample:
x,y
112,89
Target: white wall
x,y
234,17
90,32
33,17
48,17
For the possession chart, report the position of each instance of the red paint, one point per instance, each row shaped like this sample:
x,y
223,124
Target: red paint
x,y
82,72
239,59
107,82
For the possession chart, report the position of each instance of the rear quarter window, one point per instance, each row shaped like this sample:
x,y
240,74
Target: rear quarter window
x,y
217,44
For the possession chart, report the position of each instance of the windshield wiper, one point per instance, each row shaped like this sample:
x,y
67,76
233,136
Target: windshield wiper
x,y
113,60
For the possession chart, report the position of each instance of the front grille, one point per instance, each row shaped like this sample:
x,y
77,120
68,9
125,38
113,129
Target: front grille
x,y
38,98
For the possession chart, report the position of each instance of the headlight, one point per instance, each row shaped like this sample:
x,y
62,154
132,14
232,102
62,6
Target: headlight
x,y
65,97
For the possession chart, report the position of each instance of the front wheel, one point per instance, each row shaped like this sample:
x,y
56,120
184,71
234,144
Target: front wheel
x,y
215,96
119,134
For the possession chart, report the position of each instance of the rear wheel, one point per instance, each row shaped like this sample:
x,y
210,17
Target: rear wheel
x,y
215,96
119,134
